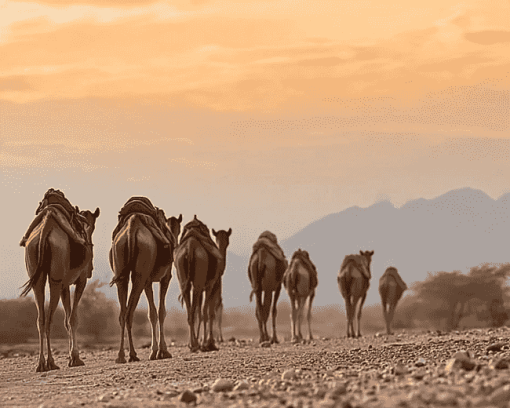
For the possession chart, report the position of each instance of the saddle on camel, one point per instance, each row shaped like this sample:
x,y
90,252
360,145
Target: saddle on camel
x,y
359,261
268,241
154,219
198,230
304,257
54,204
392,271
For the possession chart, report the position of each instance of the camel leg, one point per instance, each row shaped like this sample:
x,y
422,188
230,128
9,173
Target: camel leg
x,y
293,318
274,312
122,291
39,302
385,314
153,318
391,314
348,315
259,315
137,288
266,310
309,315
219,316
301,303
191,320
209,315
55,290
362,301
163,288
74,355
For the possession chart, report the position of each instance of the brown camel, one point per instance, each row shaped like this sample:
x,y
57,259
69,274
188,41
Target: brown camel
x,y
51,254
217,299
265,271
353,282
391,288
138,252
300,280
200,263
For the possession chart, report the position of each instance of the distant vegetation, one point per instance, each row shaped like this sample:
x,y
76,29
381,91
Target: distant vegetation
x,y
445,301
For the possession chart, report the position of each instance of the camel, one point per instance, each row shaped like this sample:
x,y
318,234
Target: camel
x,y
353,281
217,303
200,263
51,254
265,270
391,288
139,252
300,280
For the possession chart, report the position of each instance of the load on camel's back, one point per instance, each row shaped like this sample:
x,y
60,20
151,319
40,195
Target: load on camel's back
x,y
54,204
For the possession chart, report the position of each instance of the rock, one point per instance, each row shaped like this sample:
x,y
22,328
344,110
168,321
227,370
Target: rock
x,y
401,369
104,398
461,360
496,346
222,385
501,396
188,396
338,390
500,364
265,344
242,385
420,362
289,374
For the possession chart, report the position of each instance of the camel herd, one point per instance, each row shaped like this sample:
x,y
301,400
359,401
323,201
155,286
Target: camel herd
x,y
145,245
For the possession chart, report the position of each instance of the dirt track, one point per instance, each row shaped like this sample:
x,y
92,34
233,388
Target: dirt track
x,y
329,372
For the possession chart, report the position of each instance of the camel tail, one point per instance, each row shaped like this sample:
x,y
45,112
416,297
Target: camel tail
x,y
43,234
130,258
259,267
190,275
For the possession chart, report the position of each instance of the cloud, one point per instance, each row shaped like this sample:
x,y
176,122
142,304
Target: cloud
x,y
488,37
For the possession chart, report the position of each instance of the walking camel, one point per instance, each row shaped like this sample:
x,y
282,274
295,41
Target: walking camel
x,y
265,270
391,288
300,280
353,281
200,263
55,251
142,249
216,303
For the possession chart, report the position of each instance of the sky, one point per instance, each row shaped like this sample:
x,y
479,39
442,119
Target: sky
x,y
253,115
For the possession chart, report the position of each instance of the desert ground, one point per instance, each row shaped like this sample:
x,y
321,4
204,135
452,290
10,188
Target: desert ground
x,y
467,368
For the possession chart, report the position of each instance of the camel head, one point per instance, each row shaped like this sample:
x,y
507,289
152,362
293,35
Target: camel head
x,y
174,225
222,238
90,224
367,256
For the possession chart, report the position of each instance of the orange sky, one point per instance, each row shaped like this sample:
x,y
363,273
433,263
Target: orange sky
x,y
255,115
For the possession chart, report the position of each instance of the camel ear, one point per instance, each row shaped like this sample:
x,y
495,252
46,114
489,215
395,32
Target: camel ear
x,y
76,208
214,232
361,252
229,231
195,217
371,253
180,218
97,212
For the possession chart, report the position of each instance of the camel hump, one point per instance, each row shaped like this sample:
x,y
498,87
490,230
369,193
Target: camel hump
x,y
268,241
304,257
391,271
198,230
57,197
357,260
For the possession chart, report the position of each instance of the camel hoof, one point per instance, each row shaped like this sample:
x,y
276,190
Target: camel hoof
x,y
209,347
120,360
163,354
154,355
133,358
274,340
41,368
52,366
75,362
194,349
